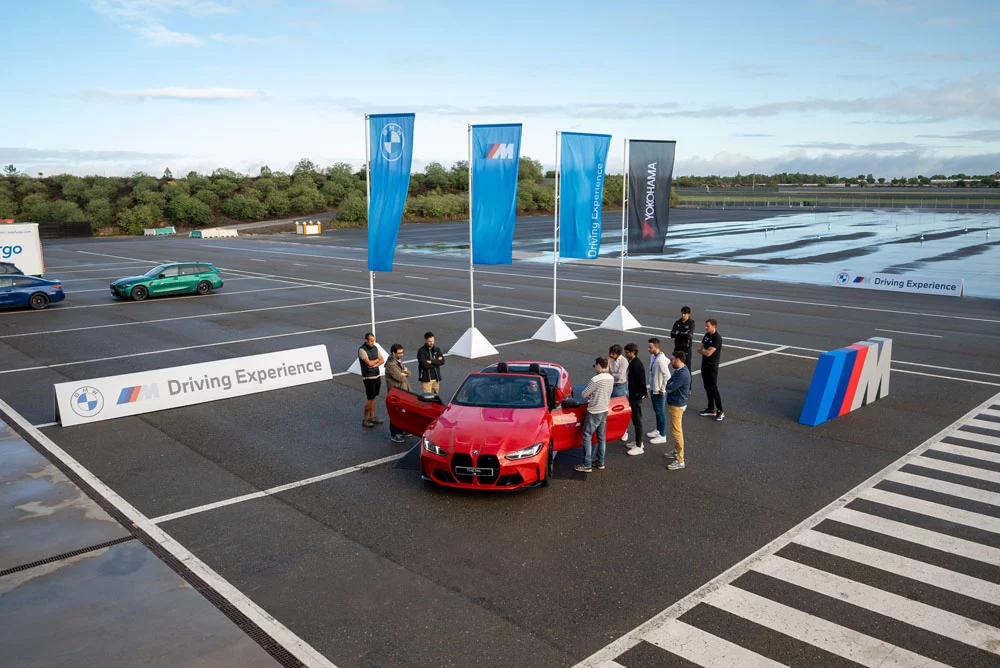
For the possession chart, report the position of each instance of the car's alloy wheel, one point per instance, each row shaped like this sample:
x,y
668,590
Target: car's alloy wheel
x,y
38,301
139,293
549,456
204,288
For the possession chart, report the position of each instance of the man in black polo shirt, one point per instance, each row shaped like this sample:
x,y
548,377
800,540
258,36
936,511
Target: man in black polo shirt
x,y
683,333
711,354
371,360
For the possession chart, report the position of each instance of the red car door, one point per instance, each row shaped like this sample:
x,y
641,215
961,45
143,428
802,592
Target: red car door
x,y
567,424
408,413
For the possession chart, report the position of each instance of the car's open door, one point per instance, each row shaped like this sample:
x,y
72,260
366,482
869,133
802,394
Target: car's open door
x,y
409,413
568,421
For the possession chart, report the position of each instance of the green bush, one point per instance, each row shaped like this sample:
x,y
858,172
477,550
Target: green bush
x,y
136,219
8,207
99,213
242,207
36,208
277,203
353,209
185,209
209,197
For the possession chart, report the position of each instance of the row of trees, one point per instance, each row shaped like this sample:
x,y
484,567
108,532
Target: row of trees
x,y
861,180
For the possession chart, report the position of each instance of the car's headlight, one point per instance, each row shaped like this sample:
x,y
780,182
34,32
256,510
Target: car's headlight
x,y
526,452
433,449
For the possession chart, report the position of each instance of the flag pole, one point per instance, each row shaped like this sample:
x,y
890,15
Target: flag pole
x,y
554,329
621,318
472,344
368,208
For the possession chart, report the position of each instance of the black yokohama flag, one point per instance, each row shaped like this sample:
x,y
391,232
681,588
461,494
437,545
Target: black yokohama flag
x,y
650,170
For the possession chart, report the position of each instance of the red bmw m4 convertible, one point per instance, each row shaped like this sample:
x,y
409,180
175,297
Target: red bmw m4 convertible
x,y
502,427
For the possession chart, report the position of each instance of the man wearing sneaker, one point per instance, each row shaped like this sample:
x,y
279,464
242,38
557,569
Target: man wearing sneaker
x,y
396,376
371,360
711,354
659,374
598,395
678,389
683,333
637,391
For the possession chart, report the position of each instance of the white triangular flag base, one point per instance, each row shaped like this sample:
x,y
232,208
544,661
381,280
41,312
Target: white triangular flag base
x,y
620,319
554,330
472,345
356,367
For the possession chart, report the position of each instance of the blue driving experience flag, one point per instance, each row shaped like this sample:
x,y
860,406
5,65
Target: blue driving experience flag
x,y
496,150
390,156
581,194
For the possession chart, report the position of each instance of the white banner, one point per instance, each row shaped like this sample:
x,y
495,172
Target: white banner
x,y
83,401
924,285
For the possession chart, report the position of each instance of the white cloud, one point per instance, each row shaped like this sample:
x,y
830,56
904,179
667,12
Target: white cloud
x,y
157,35
973,135
176,93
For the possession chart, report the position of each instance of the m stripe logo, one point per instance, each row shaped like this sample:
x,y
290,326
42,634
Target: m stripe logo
x,y
846,379
130,395
500,152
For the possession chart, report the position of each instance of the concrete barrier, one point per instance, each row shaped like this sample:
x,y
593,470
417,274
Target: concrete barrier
x,y
213,233
309,227
158,231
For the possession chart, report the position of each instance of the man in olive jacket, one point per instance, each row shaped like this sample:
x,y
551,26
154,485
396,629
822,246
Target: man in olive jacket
x,y
396,376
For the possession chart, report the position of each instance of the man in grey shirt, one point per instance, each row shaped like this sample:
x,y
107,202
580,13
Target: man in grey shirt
x,y
598,394
618,368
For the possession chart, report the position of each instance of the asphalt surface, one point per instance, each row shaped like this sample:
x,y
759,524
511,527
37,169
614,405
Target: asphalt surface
x,y
376,568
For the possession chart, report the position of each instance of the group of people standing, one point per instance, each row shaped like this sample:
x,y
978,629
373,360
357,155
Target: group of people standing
x,y
668,388
429,363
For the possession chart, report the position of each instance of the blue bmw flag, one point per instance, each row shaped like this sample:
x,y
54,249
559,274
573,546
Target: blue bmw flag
x,y
390,156
496,150
581,194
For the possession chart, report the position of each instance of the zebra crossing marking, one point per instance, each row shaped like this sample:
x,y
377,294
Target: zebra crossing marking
x,y
703,648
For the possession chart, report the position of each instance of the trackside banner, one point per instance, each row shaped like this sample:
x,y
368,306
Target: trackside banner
x,y
581,193
650,171
924,285
390,156
496,150
84,401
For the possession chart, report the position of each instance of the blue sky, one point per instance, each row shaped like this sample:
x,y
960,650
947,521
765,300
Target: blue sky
x,y
894,87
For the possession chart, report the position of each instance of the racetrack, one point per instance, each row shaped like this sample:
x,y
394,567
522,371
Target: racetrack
x,y
373,567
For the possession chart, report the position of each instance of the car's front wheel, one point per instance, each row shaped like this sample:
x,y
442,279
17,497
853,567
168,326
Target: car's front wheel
x,y
204,288
550,456
38,301
139,293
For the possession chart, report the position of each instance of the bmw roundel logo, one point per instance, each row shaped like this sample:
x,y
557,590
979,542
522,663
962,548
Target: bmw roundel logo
x,y
391,142
843,278
87,401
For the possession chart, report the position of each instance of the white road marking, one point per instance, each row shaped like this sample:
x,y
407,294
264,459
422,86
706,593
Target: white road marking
x,y
932,366
918,536
714,310
257,259
215,314
897,331
957,469
299,264
904,566
815,631
416,278
100,266
950,488
356,271
603,299
226,343
984,424
499,287
992,413
44,425
931,509
706,649
763,560
961,450
281,634
277,490
891,605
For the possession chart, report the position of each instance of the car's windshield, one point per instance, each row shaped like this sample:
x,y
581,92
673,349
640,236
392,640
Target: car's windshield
x,y
497,391
156,271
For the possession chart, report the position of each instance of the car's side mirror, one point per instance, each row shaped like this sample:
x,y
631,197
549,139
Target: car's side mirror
x,y
429,398
162,276
570,403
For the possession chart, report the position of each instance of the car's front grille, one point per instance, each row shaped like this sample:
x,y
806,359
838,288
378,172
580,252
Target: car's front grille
x,y
488,462
462,459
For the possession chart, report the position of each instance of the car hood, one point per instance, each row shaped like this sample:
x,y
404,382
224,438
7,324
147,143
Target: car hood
x,y
489,430
130,279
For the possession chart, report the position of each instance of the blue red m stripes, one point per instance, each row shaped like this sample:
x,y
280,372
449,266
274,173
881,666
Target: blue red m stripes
x,y
130,395
846,379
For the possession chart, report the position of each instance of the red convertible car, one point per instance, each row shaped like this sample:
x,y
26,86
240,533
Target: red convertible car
x,y
502,427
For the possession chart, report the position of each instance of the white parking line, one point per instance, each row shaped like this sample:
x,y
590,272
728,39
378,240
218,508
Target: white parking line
x,y
280,633
494,285
356,271
715,310
897,331
603,299
416,278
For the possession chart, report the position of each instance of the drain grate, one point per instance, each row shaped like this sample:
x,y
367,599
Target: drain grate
x,y
66,555
247,625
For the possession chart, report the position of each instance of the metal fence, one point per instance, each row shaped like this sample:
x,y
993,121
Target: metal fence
x,y
784,201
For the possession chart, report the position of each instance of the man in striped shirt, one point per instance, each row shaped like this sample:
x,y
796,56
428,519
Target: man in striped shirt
x,y
598,395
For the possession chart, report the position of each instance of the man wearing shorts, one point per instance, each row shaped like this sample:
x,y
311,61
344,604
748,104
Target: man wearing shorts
x,y
371,360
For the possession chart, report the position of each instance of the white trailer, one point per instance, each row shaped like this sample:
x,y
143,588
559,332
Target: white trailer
x,y
20,244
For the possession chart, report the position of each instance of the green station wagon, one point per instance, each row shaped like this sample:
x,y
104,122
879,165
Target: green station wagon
x,y
169,279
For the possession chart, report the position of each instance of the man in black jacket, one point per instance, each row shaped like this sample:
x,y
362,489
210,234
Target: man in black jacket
x,y
683,333
430,360
636,393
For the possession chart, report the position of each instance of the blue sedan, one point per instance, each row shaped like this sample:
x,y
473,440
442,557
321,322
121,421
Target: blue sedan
x,y
29,291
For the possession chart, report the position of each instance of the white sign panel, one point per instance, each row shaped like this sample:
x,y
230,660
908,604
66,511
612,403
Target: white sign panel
x,y
85,401
924,285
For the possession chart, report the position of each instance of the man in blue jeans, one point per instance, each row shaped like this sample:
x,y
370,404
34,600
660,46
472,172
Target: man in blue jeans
x,y
598,395
659,374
